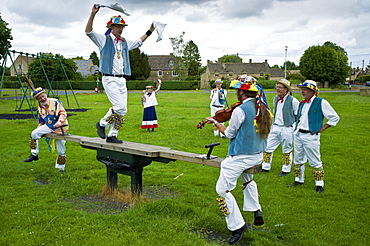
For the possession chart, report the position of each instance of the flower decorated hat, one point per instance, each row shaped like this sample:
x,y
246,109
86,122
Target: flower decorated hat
x,y
310,84
116,20
243,82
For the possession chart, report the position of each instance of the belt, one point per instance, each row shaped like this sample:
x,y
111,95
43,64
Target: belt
x,y
217,106
114,75
303,131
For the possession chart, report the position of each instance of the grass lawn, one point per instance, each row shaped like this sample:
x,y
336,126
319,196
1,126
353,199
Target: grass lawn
x,y
39,206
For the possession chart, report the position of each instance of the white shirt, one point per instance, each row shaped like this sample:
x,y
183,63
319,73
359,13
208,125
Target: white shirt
x,y
215,97
237,118
99,40
327,110
278,118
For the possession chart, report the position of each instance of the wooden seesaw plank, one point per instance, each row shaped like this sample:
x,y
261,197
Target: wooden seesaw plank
x,y
146,150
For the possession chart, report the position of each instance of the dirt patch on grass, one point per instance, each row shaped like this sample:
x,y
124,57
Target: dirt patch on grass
x,y
117,201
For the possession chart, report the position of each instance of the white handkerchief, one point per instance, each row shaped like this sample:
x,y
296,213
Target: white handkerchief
x,y
114,6
160,28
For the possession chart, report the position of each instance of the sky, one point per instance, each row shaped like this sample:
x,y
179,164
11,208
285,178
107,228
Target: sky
x,y
272,30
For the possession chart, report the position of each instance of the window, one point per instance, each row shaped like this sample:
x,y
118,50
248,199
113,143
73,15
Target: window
x,y
171,63
217,74
160,73
231,74
20,66
262,74
174,74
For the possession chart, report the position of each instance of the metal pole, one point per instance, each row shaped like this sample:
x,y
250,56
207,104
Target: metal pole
x,y
286,51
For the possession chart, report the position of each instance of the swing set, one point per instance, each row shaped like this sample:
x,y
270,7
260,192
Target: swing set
x,y
24,89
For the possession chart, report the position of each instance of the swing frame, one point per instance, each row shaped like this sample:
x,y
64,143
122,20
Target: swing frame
x,y
25,89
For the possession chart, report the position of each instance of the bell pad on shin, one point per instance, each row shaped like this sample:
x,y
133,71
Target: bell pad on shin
x,y
222,205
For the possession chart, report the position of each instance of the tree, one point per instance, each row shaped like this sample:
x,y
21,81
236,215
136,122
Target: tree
x,y
178,45
140,68
95,59
289,66
5,37
326,63
230,58
191,58
77,58
51,66
335,47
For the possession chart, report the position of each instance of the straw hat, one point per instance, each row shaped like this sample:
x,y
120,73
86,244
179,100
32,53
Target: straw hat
x,y
310,84
286,83
38,91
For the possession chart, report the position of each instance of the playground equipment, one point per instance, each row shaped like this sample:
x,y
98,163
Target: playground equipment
x,y
19,72
130,158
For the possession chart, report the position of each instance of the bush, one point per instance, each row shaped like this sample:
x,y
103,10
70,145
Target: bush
x,y
12,82
297,77
363,79
267,84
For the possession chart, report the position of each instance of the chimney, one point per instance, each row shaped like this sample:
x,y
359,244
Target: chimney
x,y
265,60
250,60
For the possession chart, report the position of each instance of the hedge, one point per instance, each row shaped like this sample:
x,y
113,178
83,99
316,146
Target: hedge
x,y
266,84
12,82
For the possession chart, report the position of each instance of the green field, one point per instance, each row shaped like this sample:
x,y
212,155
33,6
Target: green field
x,y
39,206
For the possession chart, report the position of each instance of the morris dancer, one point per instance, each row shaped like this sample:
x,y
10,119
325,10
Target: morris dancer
x,y
114,65
149,101
52,117
311,113
218,101
248,129
285,113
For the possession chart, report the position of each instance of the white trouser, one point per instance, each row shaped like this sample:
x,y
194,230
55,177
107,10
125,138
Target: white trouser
x,y
213,113
39,132
277,135
307,147
231,168
116,90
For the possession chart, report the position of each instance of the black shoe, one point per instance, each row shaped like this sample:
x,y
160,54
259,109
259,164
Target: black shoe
x,y
282,174
265,171
237,235
31,158
319,189
258,219
295,184
100,130
113,139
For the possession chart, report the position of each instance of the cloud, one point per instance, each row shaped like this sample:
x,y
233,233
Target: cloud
x,y
259,29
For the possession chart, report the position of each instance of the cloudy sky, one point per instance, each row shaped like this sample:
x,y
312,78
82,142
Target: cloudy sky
x,y
254,29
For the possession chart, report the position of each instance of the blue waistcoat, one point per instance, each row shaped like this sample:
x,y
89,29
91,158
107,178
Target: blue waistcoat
x,y
247,140
107,55
315,115
288,112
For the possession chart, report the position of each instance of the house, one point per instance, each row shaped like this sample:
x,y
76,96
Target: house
x,y
162,67
20,65
86,67
231,71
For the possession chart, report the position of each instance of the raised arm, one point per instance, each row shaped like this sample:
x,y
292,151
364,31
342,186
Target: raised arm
x,y
89,25
148,33
158,86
